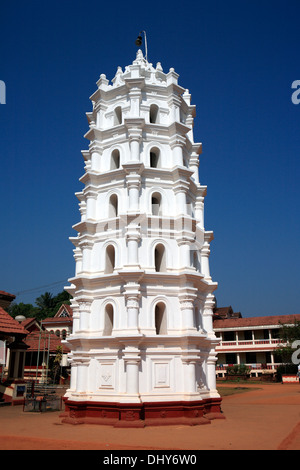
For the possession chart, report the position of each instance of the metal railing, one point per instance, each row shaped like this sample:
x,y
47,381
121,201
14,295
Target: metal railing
x,y
250,342
257,366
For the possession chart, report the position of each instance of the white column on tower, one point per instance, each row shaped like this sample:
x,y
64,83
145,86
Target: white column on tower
x,y
133,237
189,365
91,198
96,152
180,188
82,374
135,137
132,361
199,210
133,184
86,246
84,315
205,253
176,144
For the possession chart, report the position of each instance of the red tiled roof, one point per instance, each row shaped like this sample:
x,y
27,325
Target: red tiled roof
x,y
56,320
28,321
226,312
7,294
223,310
31,324
9,325
42,341
256,321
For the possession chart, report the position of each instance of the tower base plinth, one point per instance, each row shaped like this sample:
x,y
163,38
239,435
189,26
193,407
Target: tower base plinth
x,y
142,414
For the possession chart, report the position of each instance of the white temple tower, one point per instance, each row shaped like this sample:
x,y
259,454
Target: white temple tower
x,y
143,346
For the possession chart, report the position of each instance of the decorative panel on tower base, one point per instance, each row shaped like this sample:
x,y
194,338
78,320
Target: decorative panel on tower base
x,y
142,345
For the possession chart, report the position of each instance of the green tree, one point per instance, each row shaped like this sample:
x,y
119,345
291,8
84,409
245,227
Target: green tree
x,y
61,298
56,365
27,310
46,305
284,352
290,333
238,369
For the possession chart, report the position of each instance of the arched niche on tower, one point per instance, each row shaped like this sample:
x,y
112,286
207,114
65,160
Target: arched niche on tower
x,y
110,259
160,318
113,206
169,255
108,323
198,321
195,260
118,116
159,197
115,159
160,258
155,157
190,206
154,114
156,203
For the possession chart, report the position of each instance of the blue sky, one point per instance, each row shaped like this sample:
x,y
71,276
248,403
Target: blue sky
x,y
237,58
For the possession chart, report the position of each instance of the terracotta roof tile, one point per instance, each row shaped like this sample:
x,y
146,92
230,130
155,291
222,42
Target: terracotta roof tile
x,y
256,321
27,321
36,341
7,294
9,325
57,320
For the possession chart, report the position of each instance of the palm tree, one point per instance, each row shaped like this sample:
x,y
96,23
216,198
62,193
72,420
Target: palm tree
x,y
45,303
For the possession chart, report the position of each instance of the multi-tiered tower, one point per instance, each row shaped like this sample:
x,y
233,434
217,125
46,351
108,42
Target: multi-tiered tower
x,y
143,346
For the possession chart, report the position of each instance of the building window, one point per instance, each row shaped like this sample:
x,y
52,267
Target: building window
x,y
268,357
229,336
248,335
250,357
275,333
153,117
113,206
108,320
64,334
266,334
57,333
64,314
110,259
160,258
115,159
160,319
156,204
155,158
230,358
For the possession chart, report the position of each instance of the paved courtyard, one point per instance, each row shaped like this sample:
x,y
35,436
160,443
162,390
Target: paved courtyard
x,y
265,417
